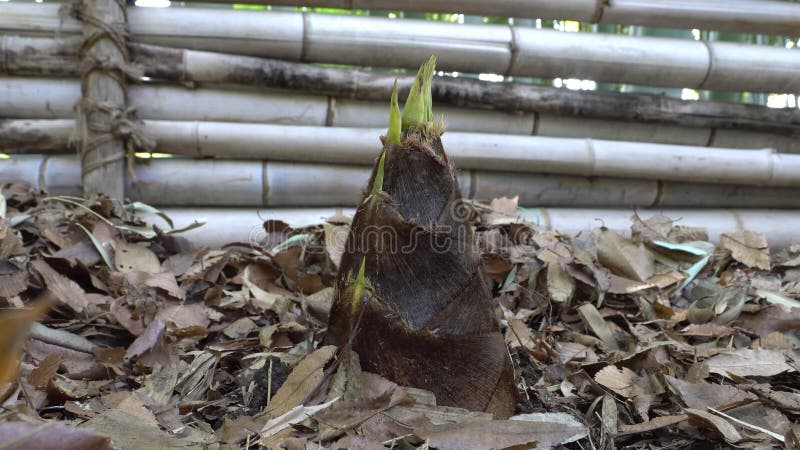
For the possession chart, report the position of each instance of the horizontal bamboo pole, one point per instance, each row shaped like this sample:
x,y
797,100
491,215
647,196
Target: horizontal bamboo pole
x,y
383,42
752,16
45,56
497,152
225,225
43,98
273,183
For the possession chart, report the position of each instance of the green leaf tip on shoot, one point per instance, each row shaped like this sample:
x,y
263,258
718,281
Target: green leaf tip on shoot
x,y
418,107
377,185
358,289
395,123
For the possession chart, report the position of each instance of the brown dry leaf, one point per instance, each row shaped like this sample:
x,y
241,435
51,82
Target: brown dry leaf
x,y
655,228
62,287
50,436
709,329
131,433
503,210
702,394
366,394
792,437
45,371
111,357
595,322
785,400
771,319
240,328
183,317
335,240
749,363
131,403
304,379
14,326
623,256
136,258
537,430
518,334
150,338
560,285
621,285
10,242
357,443
627,383
318,305
722,427
166,282
747,247
13,283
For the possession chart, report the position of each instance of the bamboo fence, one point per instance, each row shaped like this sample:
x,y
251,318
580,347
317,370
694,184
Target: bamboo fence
x,y
225,225
22,55
182,181
583,157
383,42
53,98
753,16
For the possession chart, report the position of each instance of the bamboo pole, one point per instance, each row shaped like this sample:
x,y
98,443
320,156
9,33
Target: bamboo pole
x,y
382,42
103,97
23,98
584,157
225,225
274,183
753,16
32,55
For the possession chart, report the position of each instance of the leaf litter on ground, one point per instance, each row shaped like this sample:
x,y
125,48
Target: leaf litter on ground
x,y
652,339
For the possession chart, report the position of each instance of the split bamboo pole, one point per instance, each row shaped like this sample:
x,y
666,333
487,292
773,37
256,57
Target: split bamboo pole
x,y
383,42
225,225
496,152
752,16
102,108
25,55
274,183
26,98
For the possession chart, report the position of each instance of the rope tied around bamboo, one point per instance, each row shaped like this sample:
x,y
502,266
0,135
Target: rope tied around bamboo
x,y
121,124
108,130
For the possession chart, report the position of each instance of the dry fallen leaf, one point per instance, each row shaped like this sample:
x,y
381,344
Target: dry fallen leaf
x,y
749,363
540,430
62,287
715,423
624,257
303,380
747,247
50,436
14,326
136,258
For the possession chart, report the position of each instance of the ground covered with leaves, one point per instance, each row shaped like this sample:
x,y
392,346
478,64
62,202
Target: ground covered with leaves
x,y
117,334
